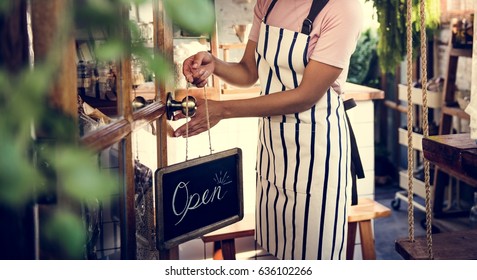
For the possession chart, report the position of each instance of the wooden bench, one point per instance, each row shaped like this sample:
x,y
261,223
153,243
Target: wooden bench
x,y
361,214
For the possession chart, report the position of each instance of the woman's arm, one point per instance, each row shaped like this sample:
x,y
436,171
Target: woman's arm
x,y
316,80
200,66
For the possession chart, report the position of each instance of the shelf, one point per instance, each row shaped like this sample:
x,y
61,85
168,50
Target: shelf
x,y
190,37
251,90
434,99
393,105
360,92
229,46
180,93
416,139
460,52
419,187
455,111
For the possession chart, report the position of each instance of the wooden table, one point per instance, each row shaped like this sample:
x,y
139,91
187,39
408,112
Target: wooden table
x,y
360,92
456,154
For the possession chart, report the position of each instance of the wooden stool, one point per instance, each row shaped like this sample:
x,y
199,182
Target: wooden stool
x,y
224,238
362,214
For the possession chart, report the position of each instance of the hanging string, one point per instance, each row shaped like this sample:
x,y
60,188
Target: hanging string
x,y
425,123
410,151
187,122
208,121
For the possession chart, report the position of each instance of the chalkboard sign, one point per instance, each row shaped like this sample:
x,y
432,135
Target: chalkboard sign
x,y
198,196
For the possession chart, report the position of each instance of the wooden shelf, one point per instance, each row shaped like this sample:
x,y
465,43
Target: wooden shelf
x,y
416,139
251,90
460,52
229,46
455,111
180,93
360,92
434,99
419,187
395,106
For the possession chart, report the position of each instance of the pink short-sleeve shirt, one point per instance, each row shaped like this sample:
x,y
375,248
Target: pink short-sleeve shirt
x,y
335,32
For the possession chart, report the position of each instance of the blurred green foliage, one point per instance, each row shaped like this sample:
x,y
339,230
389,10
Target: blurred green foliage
x,y
31,165
199,18
363,62
392,19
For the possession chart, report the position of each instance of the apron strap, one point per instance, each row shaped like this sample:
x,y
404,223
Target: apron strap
x,y
269,10
315,9
357,171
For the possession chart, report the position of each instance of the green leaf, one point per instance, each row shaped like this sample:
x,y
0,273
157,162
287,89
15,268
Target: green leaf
x,y
110,50
392,19
5,6
194,16
137,2
18,177
101,6
160,67
80,175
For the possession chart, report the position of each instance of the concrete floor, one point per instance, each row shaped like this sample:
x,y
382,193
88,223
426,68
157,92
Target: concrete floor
x,y
388,230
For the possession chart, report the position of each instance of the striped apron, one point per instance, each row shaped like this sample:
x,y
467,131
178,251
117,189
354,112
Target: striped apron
x,y
303,159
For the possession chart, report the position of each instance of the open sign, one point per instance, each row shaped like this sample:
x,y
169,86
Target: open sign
x,y
198,196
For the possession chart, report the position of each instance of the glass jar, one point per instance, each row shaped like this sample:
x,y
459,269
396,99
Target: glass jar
x,y
104,84
83,78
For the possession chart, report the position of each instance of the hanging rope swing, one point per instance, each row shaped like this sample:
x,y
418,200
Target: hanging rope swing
x,y
451,245
425,124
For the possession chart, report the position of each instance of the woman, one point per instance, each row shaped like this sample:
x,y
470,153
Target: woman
x,y
303,156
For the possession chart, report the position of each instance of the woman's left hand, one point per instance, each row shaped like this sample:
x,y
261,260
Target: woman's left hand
x,y
198,122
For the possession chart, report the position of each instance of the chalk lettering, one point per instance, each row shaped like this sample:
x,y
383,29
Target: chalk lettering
x,y
193,200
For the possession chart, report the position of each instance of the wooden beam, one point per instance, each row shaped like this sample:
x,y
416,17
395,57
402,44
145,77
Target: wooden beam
x,y
52,36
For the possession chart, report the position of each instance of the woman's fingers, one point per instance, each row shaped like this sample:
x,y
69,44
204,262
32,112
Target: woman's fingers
x,y
190,129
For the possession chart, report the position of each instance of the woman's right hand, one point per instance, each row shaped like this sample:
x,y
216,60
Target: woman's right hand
x,y
198,68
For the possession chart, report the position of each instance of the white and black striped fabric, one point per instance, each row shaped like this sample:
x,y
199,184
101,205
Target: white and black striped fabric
x,y
303,160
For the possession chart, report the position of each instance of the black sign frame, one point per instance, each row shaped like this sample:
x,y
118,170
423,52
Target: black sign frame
x,y
173,227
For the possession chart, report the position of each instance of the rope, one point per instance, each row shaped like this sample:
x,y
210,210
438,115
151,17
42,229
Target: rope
x,y
410,151
425,123
208,122
187,123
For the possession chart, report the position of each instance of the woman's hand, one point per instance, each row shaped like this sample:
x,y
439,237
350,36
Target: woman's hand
x,y
198,68
198,123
